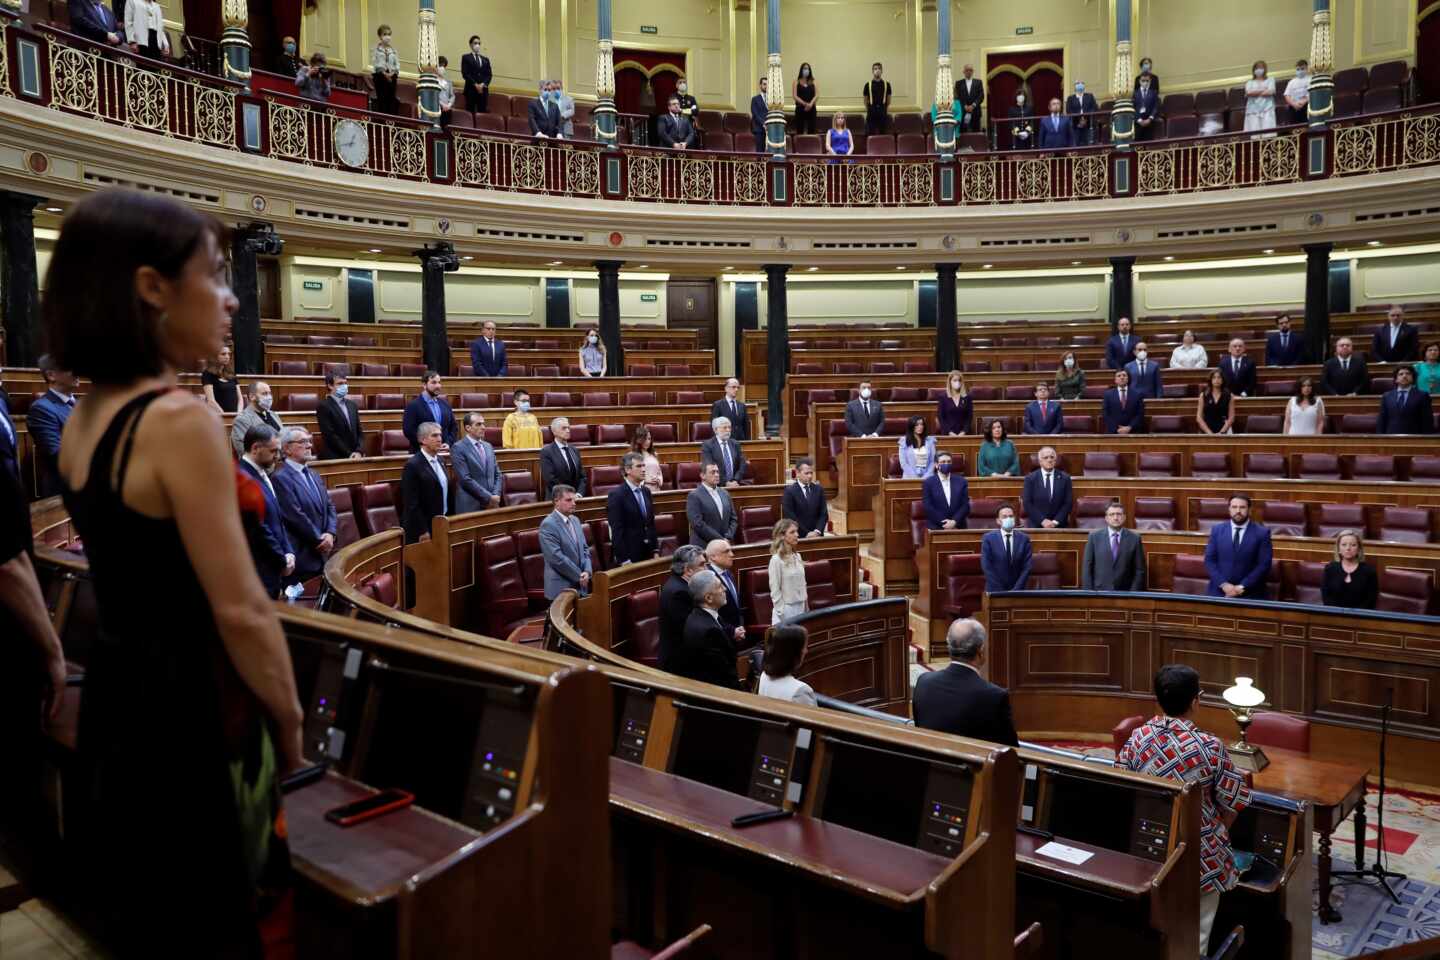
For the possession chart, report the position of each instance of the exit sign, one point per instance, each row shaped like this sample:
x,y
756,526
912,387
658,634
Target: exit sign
x,y
314,285
1024,31
647,28
648,297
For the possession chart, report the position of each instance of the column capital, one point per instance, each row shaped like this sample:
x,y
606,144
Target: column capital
x,y
1318,249
1122,263
610,266
773,270
947,268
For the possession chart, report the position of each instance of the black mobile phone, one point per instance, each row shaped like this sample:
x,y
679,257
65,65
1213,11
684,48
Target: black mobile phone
x,y
760,816
375,805
301,778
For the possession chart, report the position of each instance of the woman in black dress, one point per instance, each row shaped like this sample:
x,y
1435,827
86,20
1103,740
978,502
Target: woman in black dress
x,y
217,382
806,94
189,711
1216,410
1349,581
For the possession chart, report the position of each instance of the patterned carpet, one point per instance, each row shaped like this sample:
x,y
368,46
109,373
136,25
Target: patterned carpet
x,y
1371,920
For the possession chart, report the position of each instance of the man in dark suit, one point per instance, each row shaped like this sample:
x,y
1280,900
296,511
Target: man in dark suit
x,y
1114,556
9,439
1005,554
706,651
1397,341
946,495
675,601
720,560
1122,409
1238,370
92,20
1056,130
487,353
958,699
969,94
759,111
339,418
724,452
804,501
631,512
429,407
1145,373
560,462
1120,348
733,408
1147,108
864,416
269,547
675,129
1345,374
544,113
1238,554
46,420
1082,107
1405,409
1021,124
1047,493
475,71
424,486
1284,348
305,506
709,510
1043,415
477,471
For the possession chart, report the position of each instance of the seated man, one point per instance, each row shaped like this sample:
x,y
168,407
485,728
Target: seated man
x,y
1344,375
675,602
1238,370
804,501
1144,373
1284,348
946,495
1005,554
521,430
562,545
959,699
1042,415
1047,493
1114,556
724,452
1238,554
864,417
706,650
1122,409
1120,348
1405,409
487,353
1172,746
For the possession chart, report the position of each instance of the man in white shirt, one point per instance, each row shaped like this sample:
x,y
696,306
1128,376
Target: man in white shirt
x,y
1297,93
709,509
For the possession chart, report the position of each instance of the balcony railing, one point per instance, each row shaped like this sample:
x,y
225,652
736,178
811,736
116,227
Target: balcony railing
x,y
68,74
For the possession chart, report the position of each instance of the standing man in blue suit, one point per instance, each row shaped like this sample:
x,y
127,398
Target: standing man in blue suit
x,y
94,21
9,443
1405,409
487,353
1120,349
759,110
46,418
1056,130
270,548
1005,554
1144,372
1047,494
429,407
1284,348
1238,554
1042,415
946,495
305,506
1123,410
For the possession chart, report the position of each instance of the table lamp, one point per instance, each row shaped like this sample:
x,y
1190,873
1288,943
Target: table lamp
x,y
1243,698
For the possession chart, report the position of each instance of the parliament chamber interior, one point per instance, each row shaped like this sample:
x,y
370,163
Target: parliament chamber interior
x,y
547,480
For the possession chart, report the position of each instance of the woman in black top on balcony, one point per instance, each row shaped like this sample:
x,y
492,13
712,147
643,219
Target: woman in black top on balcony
x,y
805,95
1349,581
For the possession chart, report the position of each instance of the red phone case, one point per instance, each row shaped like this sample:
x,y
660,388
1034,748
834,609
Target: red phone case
x,y
336,816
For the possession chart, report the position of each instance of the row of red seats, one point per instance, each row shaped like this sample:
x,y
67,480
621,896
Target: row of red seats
x,y
305,368
392,443
474,400
528,343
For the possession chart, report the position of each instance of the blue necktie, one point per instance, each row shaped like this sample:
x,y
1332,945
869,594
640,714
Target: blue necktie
x,y
640,500
729,464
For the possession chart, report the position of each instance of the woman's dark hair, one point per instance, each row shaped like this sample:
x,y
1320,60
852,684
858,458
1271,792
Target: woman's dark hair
x,y
95,323
1427,348
1210,382
1300,389
1176,687
990,431
641,433
910,430
783,648
800,73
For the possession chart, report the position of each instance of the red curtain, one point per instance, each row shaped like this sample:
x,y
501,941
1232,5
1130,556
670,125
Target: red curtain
x,y
1040,83
662,69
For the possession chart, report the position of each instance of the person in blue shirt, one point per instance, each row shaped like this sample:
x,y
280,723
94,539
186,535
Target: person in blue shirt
x,y
429,407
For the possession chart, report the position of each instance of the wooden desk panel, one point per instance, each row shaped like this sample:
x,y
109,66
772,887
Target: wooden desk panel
x,y
392,333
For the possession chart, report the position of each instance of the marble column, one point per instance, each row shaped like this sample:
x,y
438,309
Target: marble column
x,y
944,92
946,355
610,316
606,125
427,54
1122,117
774,84
435,262
1122,290
248,242
1322,60
777,342
1317,301
235,42
19,278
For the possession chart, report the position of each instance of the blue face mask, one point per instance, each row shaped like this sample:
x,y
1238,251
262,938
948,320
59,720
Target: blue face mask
x,y
1007,524
290,49
1079,88
944,468
523,406
342,391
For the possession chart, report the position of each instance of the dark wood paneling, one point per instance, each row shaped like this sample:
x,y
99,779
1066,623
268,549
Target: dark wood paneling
x,y
690,305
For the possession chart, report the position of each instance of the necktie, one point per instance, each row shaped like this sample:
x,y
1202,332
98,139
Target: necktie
x,y
1114,546
492,350
1125,340
1122,396
440,476
1043,406
734,413
1239,532
1394,332
1403,395
805,491
1009,553
1142,368
574,533
1345,364
1049,487
569,464
640,501
866,405
729,464
314,484
1284,340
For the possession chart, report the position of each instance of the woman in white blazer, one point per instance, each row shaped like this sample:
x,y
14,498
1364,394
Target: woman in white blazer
x,y
145,29
788,596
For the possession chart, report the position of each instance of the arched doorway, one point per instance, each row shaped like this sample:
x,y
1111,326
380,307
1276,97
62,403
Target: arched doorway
x,y
1039,73
644,79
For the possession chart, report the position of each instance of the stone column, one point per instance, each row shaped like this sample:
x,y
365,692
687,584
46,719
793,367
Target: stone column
x,y
777,342
1122,117
1322,60
610,316
435,262
774,86
234,42
1317,301
944,97
606,125
19,278
249,241
946,355
1122,290
427,54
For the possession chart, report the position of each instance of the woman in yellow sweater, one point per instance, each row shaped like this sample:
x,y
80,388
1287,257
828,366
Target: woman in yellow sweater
x,y
522,429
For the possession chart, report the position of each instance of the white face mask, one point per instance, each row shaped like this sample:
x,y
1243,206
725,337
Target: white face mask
x,y
1007,524
385,40
955,385
264,402
865,393
681,88
1069,361
1141,354
593,339
805,72
1300,74
1020,101
1259,72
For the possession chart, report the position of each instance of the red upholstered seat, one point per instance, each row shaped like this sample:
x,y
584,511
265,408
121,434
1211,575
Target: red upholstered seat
x,y
1284,518
347,526
906,394
676,370
580,434
985,392
689,396
1210,465
976,366
532,566
1318,466
603,479
918,524
1264,423
290,368
322,340
643,369
1168,423
1015,366
809,368
1120,733
1211,510
1101,464
556,398
661,432
1389,73
518,486
393,443
1331,518
1045,571
1372,467
754,585
1351,80
820,584
756,524
880,144
302,401
1425,469
415,369
1190,575
376,502
1271,729
1090,512
666,534
982,513
1158,465
504,600
382,587
1405,591
640,627
278,338
1014,341
1364,423
1308,577
687,476
882,366
1018,391
388,401
640,398
1078,423
1265,466
1406,525
846,366
919,366
374,370
911,144
964,584
597,399
1154,513
609,432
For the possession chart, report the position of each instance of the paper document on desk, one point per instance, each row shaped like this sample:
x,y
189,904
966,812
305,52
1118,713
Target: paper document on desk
x,y
1060,851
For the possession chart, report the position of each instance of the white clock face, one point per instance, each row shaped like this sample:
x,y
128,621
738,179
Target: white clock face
x,y
351,143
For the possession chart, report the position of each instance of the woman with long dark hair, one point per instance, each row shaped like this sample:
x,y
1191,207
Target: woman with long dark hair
x,y
806,93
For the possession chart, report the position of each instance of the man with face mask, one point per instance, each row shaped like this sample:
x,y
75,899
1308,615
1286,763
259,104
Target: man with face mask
x,y
521,430
1022,130
566,103
1147,74
759,110
689,106
269,545
675,130
1297,93
969,95
385,62
257,412
1081,106
1056,131
945,495
864,416
339,418
289,62
475,71
1147,103
1005,554
877,100
544,113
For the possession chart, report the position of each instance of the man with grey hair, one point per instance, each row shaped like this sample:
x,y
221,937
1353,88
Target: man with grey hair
x,y
733,408
424,485
560,462
959,699
724,452
257,411
675,601
310,518
566,103
706,651
544,113
1397,341
563,547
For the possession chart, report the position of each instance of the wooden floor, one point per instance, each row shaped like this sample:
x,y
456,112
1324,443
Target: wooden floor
x,y
33,931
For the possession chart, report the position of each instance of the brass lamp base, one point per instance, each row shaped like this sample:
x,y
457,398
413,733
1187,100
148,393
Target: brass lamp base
x,y
1246,757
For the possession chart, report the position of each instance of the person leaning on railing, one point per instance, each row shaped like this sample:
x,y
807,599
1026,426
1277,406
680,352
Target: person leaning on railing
x,y
313,81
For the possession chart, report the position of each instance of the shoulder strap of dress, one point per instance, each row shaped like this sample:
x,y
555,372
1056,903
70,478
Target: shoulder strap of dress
x,y
121,431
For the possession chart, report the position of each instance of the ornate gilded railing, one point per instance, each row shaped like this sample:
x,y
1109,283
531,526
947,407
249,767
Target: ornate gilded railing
x,y
68,74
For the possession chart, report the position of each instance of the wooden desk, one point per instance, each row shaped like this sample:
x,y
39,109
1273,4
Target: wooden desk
x,y
1333,789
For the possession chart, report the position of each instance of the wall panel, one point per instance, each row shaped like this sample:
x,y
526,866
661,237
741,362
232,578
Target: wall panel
x,y
634,307
1382,280
1226,288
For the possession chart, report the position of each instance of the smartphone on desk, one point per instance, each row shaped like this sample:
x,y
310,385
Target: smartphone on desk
x,y
368,808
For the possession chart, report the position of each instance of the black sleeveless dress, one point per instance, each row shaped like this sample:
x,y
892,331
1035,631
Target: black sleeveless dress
x,y
184,842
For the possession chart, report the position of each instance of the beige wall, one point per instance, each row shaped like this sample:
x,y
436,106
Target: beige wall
x,y
470,294
585,302
1178,291
1401,278
1080,29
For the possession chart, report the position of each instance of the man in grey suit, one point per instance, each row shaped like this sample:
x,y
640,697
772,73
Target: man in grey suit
x,y
1114,556
864,416
562,545
477,473
709,509
257,411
